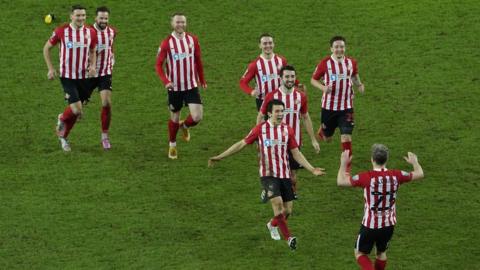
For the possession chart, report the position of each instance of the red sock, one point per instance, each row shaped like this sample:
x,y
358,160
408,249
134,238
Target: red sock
x,y
172,130
274,222
106,116
69,125
348,146
282,224
380,265
365,263
67,114
189,121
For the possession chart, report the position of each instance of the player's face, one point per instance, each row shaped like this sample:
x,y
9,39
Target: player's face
x,y
338,48
276,116
267,45
102,19
288,78
78,17
179,23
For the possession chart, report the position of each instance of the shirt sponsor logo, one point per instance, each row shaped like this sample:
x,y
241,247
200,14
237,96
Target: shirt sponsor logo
x,y
271,143
269,77
181,56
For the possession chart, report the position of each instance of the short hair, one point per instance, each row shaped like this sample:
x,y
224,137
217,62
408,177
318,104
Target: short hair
x,y
102,9
379,154
75,7
177,14
264,35
286,67
337,38
270,105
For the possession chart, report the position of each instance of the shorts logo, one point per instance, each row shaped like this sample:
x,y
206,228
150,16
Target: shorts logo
x,y
171,107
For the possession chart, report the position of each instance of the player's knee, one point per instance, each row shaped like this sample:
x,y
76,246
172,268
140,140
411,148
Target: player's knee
x,y
106,103
329,139
77,109
197,117
382,256
347,136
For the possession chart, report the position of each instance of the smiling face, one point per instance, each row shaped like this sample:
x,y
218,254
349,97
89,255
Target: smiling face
x,y
102,19
267,45
288,78
179,23
338,48
78,17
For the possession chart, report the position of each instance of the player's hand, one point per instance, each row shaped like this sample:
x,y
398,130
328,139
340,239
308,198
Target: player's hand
x,y
361,88
51,74
411,158
316,146
301,87
204,86
318,171
91,71
169,86
327,89
212,160
345,158
255,93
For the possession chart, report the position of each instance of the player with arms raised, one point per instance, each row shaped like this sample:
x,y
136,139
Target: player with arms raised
x,y
296,110
380,187
275,139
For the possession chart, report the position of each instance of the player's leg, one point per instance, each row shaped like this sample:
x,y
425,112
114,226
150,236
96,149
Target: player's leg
x,y
272,187
384,235
363,247
346,124
72,112
175,103
105,87
328,126
194,102
287,198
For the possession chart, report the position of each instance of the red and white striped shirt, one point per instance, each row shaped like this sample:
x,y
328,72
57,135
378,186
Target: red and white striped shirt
x,y
273,142
339,75
74,50
380,192
295,106
266,73
105,57
184,63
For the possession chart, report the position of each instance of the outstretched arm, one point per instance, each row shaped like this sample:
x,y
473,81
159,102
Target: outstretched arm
x,y
343,177
235,148
300,158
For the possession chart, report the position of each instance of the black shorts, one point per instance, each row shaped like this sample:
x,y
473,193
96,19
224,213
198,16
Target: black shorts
x,y
259,103
294,165
368,237
341,119
278,187
76,89
101,83
176,99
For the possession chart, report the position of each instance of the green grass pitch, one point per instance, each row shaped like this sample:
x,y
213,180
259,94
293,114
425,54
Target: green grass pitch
x,y
132,208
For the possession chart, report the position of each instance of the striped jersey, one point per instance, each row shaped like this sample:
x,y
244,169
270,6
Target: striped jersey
x,y
273,144
339,75
74,50
266,73
184,63
295,106
105,57
380,192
